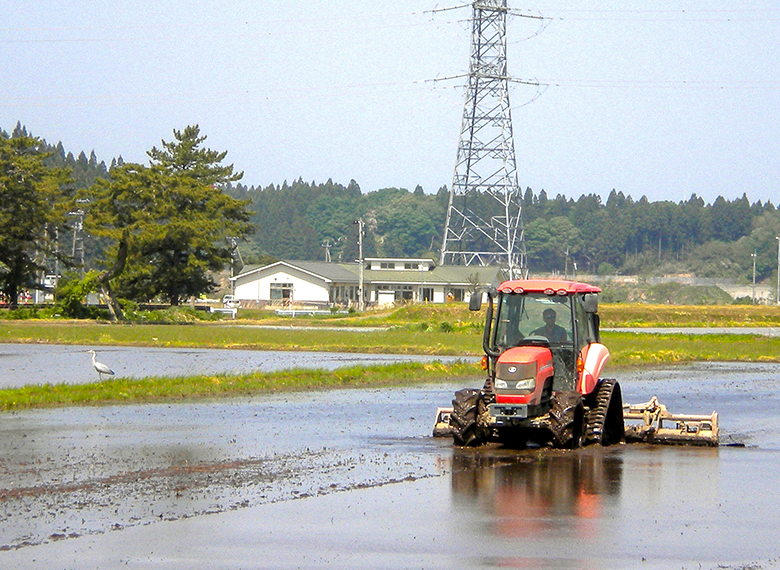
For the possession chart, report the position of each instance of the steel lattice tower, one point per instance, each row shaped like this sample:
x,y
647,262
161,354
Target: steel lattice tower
x,y
484,217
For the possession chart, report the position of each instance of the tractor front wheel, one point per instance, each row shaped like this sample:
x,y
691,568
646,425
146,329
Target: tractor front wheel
x,y
566,419
464,419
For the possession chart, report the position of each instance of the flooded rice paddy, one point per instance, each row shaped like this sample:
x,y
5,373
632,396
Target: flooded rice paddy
x,y
352,479
24,364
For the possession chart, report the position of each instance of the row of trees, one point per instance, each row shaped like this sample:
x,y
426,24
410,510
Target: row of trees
x,y
634,237
162,229
299,220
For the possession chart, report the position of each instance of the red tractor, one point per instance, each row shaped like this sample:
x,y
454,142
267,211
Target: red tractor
x,y
544,360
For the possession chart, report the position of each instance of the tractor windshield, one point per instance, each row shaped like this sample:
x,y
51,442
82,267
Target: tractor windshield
x,y
533,317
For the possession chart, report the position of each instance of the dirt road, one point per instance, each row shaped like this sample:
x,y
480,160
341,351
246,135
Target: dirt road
x,y
352,479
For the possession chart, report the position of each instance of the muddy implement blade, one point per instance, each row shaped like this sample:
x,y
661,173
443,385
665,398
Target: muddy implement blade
x,y
441,427
651,422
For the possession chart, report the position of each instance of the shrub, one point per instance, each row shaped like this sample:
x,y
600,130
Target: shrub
x,y
71,293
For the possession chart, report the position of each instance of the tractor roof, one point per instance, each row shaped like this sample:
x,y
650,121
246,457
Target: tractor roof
x,y
547,286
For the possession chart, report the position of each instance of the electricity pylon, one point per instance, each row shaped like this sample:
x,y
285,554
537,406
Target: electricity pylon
x,y
484,224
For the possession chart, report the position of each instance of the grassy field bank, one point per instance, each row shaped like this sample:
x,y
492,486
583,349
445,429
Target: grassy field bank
x,y
400,340
637,315
456,316
612,315
123,390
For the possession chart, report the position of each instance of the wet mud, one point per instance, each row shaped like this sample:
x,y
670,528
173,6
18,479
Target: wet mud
x,y
352,479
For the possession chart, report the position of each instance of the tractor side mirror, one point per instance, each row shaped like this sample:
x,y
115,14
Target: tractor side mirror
x,y
475,301
591,303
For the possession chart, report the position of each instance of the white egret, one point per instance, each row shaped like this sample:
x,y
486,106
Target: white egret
x,y
100,367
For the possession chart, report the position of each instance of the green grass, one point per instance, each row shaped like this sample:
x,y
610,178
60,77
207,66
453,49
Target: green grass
x,y
635,349
638,315
400,340
177,389
458,316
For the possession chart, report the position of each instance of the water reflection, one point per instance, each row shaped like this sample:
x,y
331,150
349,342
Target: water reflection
x,y
530,493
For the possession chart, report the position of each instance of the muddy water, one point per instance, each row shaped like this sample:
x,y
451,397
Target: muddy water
x,y
22,364
351,479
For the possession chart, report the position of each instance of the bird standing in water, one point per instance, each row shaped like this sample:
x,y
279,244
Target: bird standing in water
x,y
100,367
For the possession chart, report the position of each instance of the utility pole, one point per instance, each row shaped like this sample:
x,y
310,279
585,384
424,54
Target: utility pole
x,y
327,245
753,298
361,261
235,255
77,251
485,166
777,296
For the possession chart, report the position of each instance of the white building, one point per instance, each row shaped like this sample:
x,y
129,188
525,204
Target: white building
x,y
385,281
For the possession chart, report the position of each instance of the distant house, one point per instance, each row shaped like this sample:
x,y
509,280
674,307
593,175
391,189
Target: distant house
x,y
385,281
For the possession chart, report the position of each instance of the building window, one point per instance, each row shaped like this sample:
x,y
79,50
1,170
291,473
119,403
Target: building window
x,y
387,265
281,291
456,295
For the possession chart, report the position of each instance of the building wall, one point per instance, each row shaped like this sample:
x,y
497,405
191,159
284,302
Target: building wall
x,y
311,289
385,298
306,288
387,295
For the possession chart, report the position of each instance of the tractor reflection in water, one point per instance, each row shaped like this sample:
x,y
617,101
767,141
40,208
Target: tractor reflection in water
x,y
527,496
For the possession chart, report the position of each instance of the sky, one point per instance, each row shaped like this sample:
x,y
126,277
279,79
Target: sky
x,y
662,102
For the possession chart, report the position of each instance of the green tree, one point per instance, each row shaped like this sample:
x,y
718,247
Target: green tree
x,y
184,155
547,242
185,240
34,202
71,294
762,240
170,223
407,227
120,209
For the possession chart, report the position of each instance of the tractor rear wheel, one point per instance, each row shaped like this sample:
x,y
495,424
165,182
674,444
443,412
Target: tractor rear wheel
x,y
604,420
566,419
464,419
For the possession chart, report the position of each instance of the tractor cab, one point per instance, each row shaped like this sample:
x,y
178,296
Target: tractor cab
x,y
556,320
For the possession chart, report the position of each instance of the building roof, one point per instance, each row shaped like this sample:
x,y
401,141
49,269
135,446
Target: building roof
x,y
443,274
326,271
349,273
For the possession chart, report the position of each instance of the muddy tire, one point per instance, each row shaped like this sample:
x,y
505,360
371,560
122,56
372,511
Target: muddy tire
x,y
464,419
604,420
566,419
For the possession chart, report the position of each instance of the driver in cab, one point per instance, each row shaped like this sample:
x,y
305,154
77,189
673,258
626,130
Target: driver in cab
x,y
553,332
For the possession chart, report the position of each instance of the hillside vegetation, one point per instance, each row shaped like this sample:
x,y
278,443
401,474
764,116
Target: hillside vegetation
x,y
163,231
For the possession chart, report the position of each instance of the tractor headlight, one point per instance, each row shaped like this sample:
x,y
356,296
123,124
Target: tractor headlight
x,y
526,384
501,384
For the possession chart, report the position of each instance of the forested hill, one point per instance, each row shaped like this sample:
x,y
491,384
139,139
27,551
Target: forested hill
x,y
84,170
295,221
304,220
298,220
